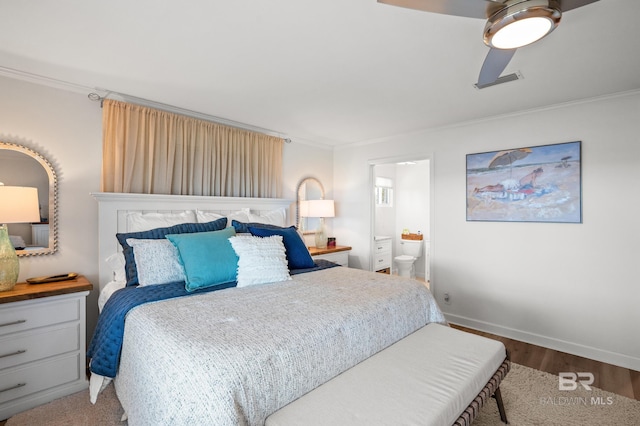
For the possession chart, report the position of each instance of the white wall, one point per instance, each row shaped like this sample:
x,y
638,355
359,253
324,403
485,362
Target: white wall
x,y
66,128
302,160
572,287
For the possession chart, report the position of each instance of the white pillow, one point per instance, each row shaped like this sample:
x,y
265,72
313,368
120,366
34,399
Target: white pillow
x,y
260,260
110,288
205,216
274,217
138,221
240,216
157,261
117,264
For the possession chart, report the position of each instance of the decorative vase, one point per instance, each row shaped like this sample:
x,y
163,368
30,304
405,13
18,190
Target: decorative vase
x,y
9,264
321,235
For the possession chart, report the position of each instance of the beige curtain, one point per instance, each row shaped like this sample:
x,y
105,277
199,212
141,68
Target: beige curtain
x,y
150,151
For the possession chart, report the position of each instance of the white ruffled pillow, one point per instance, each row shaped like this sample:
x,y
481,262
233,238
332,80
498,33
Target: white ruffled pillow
x,y
260,260
157,261
138,221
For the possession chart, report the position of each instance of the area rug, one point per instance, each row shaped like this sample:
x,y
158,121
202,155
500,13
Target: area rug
x,y
531,398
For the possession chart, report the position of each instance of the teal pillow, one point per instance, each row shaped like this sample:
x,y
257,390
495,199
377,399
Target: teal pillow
x,y
207,257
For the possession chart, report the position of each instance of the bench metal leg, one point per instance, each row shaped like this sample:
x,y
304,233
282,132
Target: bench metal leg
x,y
498,397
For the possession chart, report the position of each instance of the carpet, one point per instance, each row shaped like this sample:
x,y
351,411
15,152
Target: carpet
x,y
531,398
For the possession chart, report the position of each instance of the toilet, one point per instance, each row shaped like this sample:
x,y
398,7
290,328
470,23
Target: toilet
x,y
411,251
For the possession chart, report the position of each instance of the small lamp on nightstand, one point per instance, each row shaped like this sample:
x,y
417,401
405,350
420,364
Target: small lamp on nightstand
x,y
18,204
321,209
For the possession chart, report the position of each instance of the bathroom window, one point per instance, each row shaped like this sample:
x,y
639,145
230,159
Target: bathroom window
x,y
384,192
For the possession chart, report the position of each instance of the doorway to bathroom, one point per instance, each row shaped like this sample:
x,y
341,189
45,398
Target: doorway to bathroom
x,y
401,203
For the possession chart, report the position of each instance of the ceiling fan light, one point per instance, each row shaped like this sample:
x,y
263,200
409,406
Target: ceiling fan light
x,y
521,23
520,33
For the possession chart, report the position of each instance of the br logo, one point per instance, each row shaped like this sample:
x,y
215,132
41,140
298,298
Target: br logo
x,y
569,381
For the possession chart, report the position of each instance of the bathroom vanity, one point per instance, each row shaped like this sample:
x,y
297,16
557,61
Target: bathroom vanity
x,y
382,254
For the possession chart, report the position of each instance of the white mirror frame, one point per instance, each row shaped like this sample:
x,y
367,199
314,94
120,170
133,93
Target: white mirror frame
x,y
301,196
53,197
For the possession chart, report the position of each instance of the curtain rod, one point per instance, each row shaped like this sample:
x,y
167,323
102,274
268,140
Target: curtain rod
x,y
182,111
77,88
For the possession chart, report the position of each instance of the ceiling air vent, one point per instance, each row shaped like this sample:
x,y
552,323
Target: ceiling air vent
x,y
504,79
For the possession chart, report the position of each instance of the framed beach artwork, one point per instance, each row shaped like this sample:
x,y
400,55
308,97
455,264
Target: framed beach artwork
x,y
533,184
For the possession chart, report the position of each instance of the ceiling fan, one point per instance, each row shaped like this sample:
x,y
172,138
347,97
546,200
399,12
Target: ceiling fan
x,y
510,24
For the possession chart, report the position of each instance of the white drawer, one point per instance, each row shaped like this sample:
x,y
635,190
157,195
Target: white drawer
x,y
382,246
341,257
382,254
382,261
34,345
39,376
42,349
21,316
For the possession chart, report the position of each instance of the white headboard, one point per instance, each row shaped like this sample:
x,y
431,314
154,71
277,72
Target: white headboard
x,y
113,208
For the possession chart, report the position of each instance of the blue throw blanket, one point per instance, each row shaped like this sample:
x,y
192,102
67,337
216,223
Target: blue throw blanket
x,y
106,344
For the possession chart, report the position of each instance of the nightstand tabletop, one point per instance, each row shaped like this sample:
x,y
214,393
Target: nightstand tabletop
x,y
26,291
317,251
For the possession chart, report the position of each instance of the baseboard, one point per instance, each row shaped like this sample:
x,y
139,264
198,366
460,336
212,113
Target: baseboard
x,y
597,354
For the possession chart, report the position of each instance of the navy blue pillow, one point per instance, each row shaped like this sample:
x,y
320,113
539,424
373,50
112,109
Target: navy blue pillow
x,y
298,255
243,228
158,234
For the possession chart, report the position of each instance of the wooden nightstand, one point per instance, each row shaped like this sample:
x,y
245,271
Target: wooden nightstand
x,y
337,254
42,343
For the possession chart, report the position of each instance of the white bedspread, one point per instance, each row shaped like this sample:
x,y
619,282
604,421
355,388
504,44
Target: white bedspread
x,y
233,357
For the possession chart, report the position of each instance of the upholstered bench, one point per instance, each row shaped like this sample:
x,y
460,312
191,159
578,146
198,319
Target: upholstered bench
x,y
436,376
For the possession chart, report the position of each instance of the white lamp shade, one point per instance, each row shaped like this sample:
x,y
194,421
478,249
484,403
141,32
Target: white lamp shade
x,y
19,204
320,208
304,208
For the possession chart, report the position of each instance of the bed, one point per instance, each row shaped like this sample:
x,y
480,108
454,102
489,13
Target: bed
x,y
234,354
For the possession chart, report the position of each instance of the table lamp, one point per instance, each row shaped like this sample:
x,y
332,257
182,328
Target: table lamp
x,y
320,209
18,204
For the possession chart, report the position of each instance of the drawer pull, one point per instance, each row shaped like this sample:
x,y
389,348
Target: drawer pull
x,y
19,385
13,353
6,324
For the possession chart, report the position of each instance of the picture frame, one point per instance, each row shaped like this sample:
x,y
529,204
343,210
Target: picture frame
x,y
531,184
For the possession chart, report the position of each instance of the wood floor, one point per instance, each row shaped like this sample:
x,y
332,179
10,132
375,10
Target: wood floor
x,y
618,380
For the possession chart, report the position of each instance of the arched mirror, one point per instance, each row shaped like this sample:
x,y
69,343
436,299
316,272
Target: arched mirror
x,y
21,166
308,189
